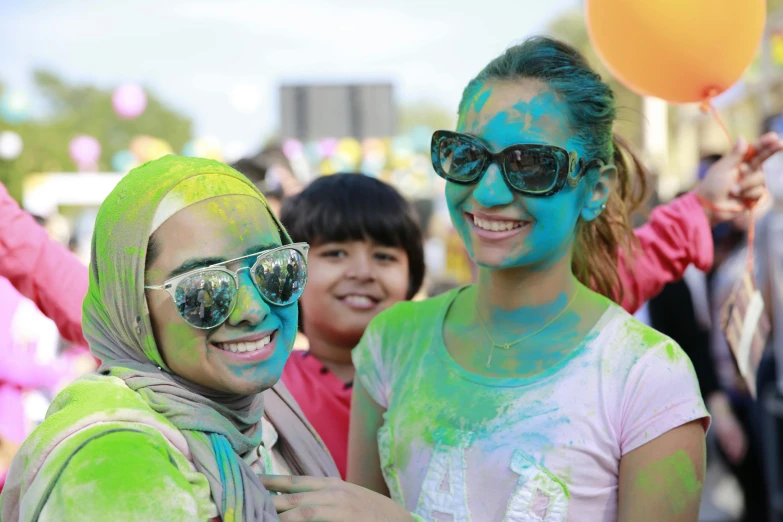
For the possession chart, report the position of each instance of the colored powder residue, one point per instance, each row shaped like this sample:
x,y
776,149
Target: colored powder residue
x,y
482,99
672,478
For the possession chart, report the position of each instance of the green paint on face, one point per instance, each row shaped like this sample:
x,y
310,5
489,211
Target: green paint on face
x,y
185,346
673,478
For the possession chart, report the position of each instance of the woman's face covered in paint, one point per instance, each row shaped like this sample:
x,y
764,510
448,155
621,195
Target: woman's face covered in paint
x,y
205,233
504,113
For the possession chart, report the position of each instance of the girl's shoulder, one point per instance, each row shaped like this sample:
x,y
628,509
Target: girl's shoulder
x,y
625,342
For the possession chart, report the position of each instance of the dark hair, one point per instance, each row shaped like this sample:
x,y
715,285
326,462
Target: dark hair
x,y
153,251
592,112
355,207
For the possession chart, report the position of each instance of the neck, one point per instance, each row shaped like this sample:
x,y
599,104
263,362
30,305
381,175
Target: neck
x,y
335,356
518,299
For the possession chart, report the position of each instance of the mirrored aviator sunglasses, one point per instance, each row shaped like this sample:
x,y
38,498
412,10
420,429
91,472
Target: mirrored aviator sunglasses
x,y
530,169
206,297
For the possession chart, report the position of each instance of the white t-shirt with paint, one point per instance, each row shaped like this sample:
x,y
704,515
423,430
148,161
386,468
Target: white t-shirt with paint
x,y
456,446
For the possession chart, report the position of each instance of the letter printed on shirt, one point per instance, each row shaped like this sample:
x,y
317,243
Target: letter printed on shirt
x,y
444,492
539,496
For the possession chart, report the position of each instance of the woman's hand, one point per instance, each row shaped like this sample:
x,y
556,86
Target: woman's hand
x,y
731,184
314,499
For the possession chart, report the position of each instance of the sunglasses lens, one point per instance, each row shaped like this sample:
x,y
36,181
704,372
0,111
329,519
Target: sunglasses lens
x,y
460,160
281,276
532,170
204,299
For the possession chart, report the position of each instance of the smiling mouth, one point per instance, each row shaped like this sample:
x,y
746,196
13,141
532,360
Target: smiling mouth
x,y
244,347
362,302
496,225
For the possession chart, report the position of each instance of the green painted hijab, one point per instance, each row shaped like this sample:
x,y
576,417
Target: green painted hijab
x,y
116,323
220,429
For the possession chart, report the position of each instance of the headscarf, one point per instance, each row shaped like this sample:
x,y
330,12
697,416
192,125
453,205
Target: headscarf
x,y
219,428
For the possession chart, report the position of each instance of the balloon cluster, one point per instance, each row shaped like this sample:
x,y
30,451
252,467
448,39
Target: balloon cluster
x,y
401,160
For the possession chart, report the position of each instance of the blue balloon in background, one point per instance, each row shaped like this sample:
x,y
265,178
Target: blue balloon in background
x,y
312,152
14,107
420,137
189,149
123,161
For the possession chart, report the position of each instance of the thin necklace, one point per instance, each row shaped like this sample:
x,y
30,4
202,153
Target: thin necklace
x,y
506,346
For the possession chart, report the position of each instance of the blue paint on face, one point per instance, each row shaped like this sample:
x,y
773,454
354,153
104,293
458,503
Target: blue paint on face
x,y
524,111
482,99
284,319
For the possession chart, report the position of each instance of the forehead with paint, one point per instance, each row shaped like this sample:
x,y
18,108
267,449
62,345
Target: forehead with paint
x,y
505,113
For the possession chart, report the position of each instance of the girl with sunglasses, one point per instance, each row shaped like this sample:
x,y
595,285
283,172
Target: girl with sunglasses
x,y
192,309
527,396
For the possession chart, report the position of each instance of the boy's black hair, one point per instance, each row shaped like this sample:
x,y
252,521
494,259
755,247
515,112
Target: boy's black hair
x,y
356,207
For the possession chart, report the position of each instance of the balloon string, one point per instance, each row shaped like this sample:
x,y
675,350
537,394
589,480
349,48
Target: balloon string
x,y
707,107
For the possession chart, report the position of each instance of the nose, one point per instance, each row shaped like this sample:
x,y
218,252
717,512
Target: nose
x,y
492,190
250,308
360,267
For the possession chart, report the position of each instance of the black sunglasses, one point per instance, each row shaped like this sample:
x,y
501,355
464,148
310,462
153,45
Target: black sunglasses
x,y
530,169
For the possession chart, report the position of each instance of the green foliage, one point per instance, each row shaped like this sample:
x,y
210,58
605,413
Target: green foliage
x,y
428,113
80,109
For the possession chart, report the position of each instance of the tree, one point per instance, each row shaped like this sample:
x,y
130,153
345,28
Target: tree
x,y
80,109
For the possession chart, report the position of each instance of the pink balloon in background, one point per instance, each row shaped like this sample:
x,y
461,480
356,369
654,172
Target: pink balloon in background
x,y
292,148
129,101
328,146
85,151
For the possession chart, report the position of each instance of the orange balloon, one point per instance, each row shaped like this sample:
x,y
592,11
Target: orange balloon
x,y
678,50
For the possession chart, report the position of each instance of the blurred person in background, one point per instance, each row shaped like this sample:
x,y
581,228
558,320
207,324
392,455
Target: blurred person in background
x,y
684,311
744,453
271,172
174,426
35,271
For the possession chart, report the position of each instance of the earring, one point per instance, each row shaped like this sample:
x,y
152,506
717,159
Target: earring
x,y
603,206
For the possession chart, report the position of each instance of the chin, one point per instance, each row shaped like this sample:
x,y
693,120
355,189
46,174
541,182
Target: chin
x,y
498,259
253,387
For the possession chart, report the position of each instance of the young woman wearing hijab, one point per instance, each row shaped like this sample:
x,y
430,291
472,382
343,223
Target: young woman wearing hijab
x,y
174,426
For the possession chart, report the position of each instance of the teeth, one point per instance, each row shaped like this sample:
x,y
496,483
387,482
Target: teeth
x,y
245,347
359,300
496,226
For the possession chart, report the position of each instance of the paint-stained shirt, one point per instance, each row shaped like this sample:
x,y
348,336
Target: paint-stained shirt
x,y
458,446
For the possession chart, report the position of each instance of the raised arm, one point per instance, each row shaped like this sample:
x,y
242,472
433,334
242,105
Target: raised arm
x,y
680,233
41,269
676,235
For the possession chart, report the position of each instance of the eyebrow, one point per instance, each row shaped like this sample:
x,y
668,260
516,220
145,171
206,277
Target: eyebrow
x,y
203,262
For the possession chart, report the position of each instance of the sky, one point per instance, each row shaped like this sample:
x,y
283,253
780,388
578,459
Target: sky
x,y
221,62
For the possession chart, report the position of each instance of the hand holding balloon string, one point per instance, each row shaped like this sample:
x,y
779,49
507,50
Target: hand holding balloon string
x,y
735,183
